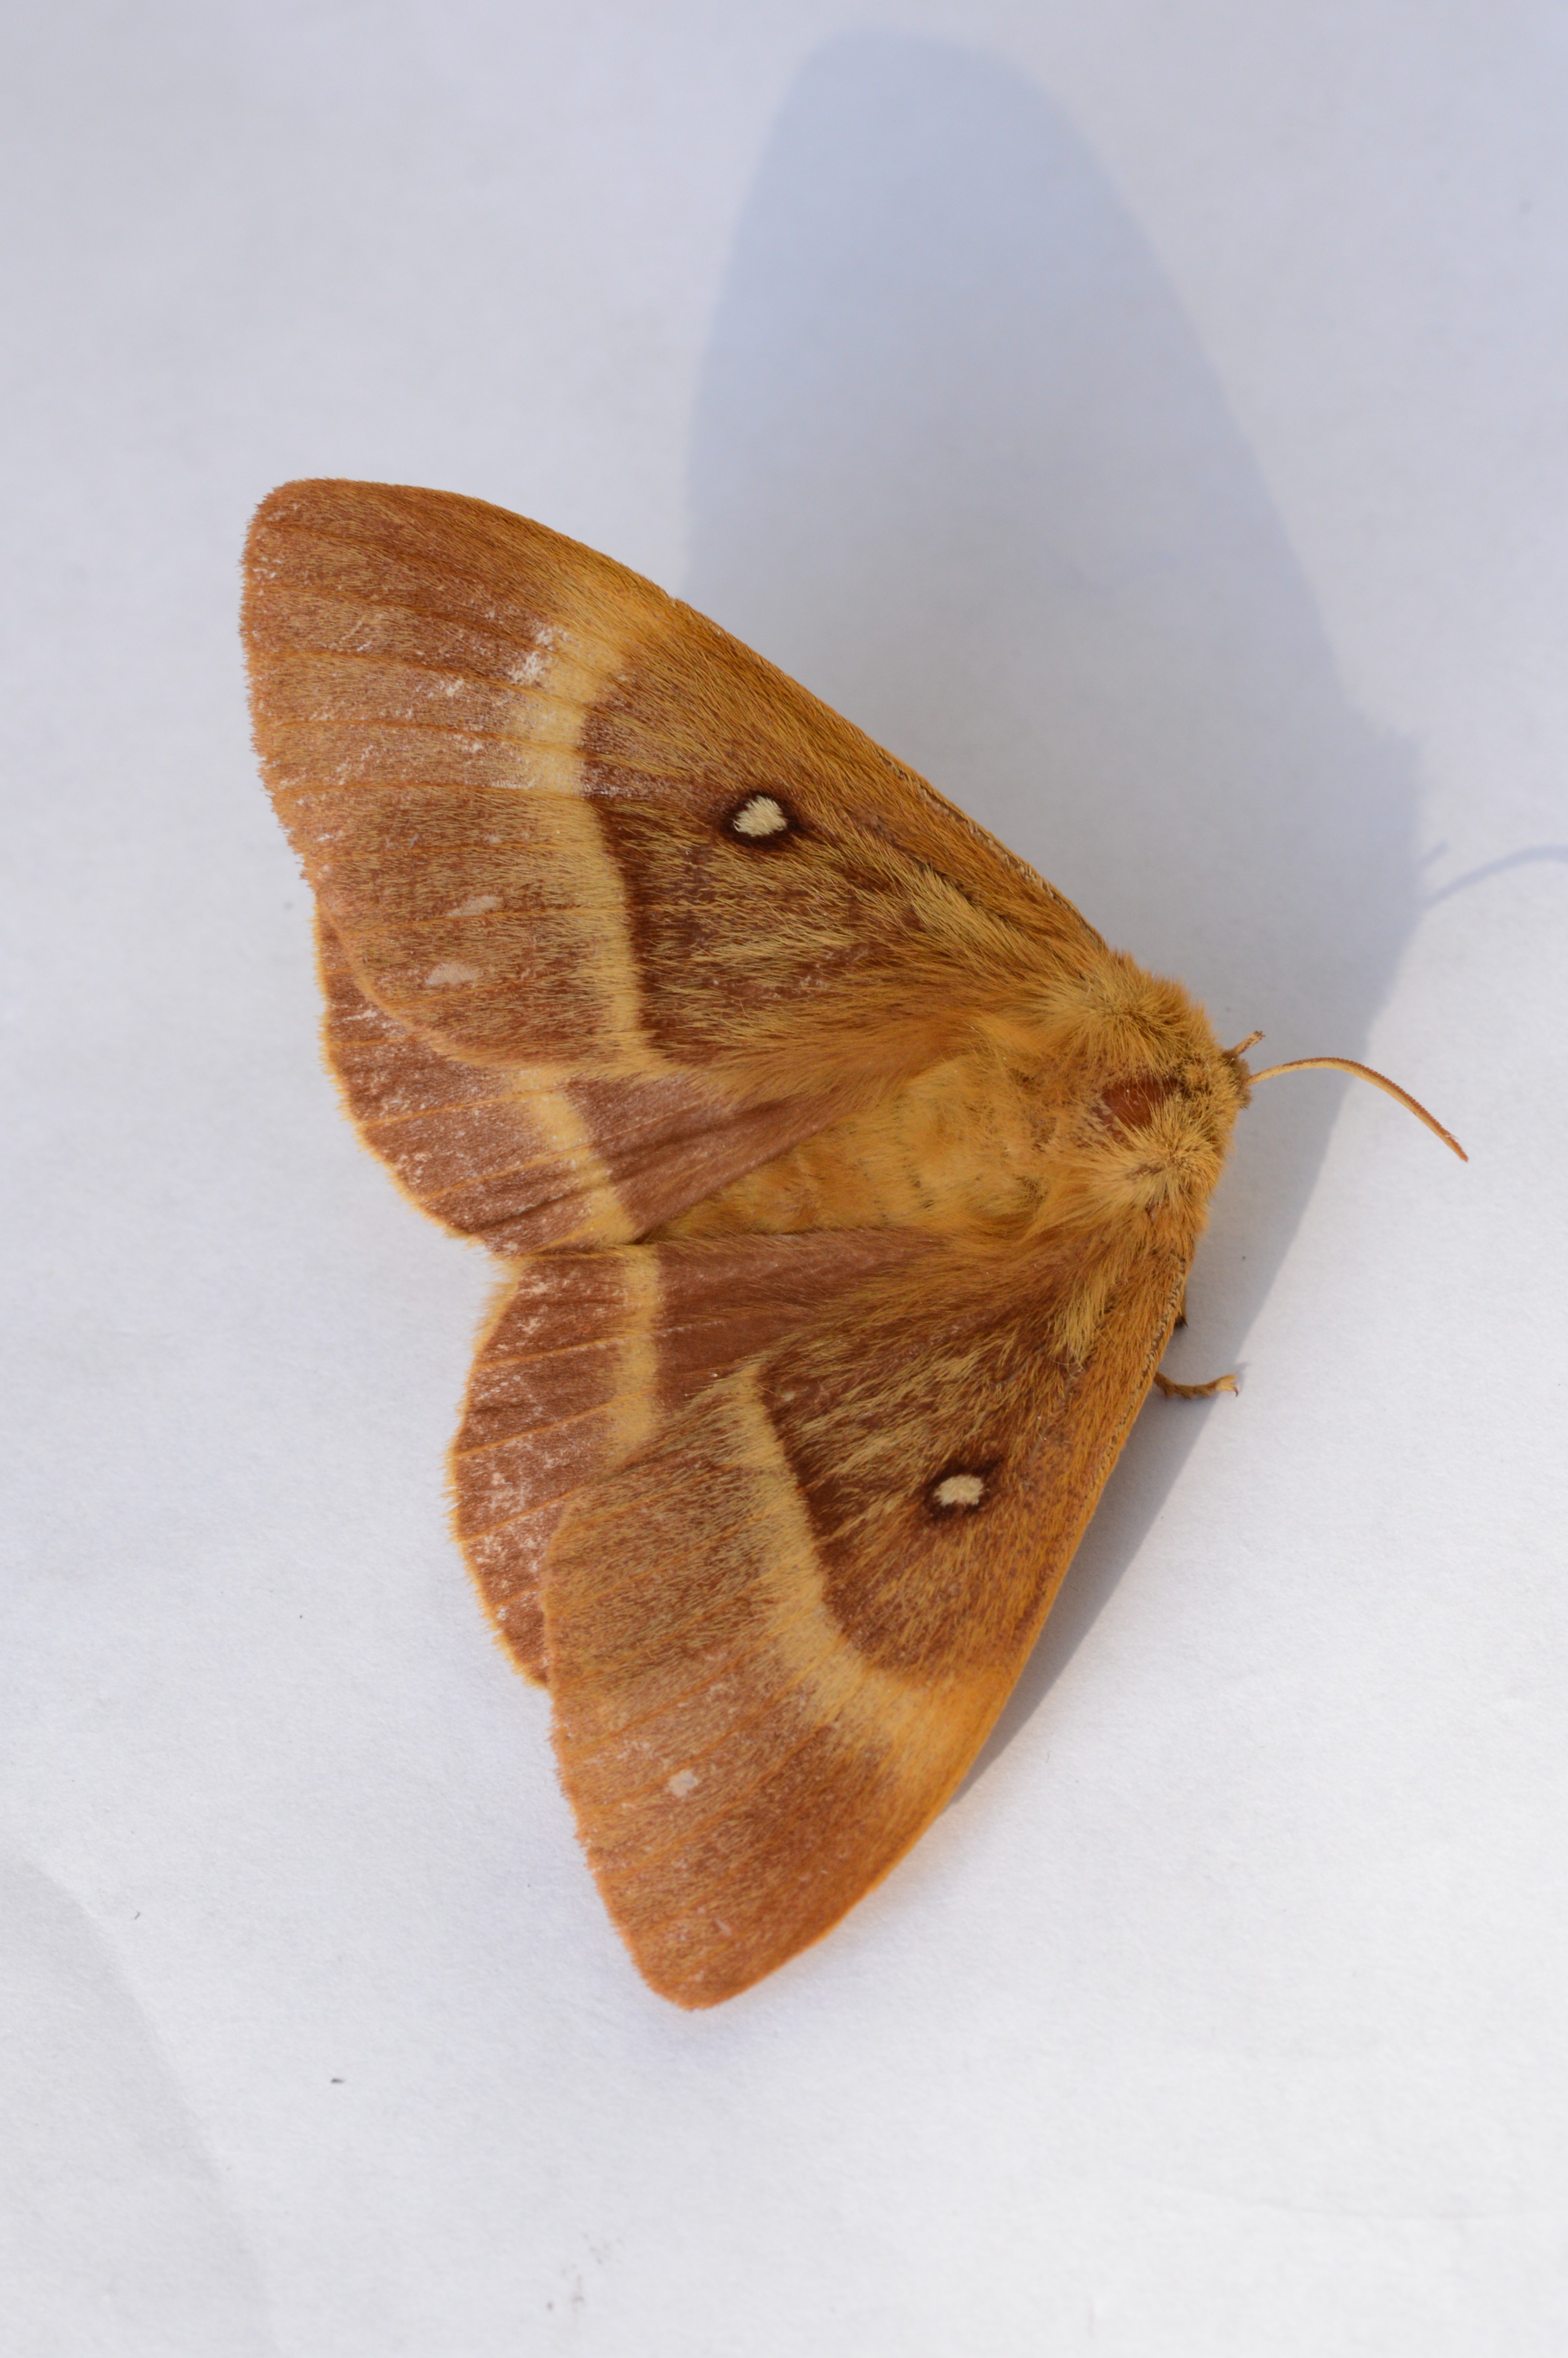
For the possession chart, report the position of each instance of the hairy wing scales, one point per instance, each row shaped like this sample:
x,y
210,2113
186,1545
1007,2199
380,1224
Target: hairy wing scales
x,y
771,1661
586,1353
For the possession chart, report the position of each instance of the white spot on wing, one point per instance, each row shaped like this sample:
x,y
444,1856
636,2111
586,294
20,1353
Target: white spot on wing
x,y
449,974
479,906
960,1490
683,1782
531,669
760,816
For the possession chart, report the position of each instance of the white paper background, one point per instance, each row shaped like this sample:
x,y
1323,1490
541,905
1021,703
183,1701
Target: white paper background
x,y
1150,420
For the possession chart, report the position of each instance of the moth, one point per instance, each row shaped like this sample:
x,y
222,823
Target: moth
x,y
845,1184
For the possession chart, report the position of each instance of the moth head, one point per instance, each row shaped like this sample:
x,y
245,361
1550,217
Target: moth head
x,y
1155,1104
1157,1135
1152,1100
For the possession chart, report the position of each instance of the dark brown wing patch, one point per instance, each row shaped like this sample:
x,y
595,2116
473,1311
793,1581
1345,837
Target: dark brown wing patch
x,y
589,1352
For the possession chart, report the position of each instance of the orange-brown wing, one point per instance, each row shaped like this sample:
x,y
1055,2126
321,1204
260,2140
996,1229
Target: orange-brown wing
x,y
522,1157
589,1352
562,829
778,1634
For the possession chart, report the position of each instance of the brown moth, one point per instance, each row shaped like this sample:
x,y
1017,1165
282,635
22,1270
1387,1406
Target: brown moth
x,y
846,1182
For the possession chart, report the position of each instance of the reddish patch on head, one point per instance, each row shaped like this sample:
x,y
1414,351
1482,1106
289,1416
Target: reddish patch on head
x,y
1132,1102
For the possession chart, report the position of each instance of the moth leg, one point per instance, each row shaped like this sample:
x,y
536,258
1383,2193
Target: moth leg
x,y
1181,1313
1172,1391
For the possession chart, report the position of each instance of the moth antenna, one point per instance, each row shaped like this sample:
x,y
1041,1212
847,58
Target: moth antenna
x,y
1364,1073
1243,1045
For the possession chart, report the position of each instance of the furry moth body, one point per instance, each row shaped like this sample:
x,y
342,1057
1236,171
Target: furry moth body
x,y
845,1182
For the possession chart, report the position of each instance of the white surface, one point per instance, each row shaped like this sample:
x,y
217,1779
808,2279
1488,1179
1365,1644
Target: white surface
x,y
1149,420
